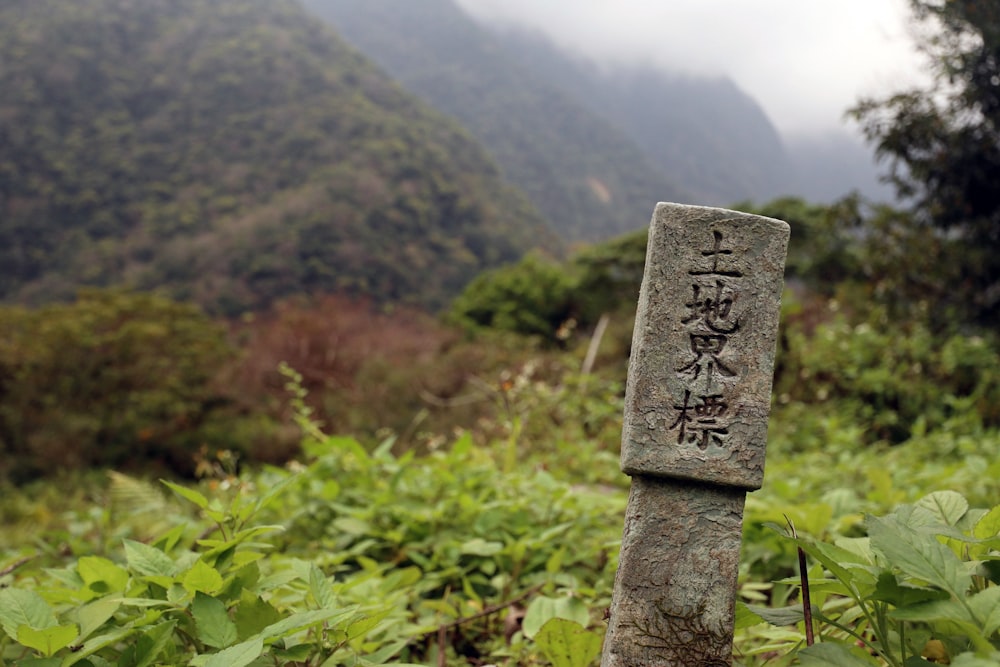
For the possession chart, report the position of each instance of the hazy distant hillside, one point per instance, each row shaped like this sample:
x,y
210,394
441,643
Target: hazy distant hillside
x,y
706,134
829,166
233,151
587,176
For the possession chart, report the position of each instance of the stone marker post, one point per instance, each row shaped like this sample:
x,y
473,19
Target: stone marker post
x,y
696,408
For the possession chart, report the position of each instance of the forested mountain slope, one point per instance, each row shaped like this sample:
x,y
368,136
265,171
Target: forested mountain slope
x,y
233,151
586,175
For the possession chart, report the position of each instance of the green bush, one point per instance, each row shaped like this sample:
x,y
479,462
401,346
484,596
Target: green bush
x,y
532,297
921,586
112,379
893,379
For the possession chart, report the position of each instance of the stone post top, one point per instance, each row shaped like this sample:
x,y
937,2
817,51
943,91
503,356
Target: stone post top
x,y
699,385
696,212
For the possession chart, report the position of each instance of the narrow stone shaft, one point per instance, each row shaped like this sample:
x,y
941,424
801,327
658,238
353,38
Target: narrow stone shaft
x,y
673,602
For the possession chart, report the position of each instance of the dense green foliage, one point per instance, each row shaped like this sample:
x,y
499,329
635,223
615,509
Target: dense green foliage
x,y
116,379
588,177
893,378
544,298
357,554
233,152
539,297
470,550
531,298
910,599
943,145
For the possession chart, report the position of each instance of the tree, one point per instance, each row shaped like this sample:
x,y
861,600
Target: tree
x,y
943,144
532,297
113,379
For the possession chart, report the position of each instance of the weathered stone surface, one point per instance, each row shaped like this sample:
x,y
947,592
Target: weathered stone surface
x,y
696,409
674,596
699,382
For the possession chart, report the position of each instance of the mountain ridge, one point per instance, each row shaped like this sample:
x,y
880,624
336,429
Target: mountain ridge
x,y
705,133
232,152
587,177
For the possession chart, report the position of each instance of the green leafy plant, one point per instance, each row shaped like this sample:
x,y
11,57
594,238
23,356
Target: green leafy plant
x,y
566,643
216,600
922,585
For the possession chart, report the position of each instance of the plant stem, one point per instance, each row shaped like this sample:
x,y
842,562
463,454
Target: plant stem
x,y
806,604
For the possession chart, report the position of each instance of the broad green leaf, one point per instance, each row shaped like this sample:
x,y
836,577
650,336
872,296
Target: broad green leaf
x,y
151,644
543,609
554,563
303,620
101,575
245,535
480,547
919,555
273,491
202,578
48,640
178,595
253,615
93,615
938,610
779,616
746,617
145,602
168,540
95,644
384,653
550,534
19,607
829,654
832,558
890,590
298,654
148,561
240,655
320,587
188,494
860,547
212,621
68,578
365,624
566,643
948,507
989,525
986,606
352,525
969,521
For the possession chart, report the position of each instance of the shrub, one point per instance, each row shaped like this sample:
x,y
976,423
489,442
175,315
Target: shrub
x,y
112,379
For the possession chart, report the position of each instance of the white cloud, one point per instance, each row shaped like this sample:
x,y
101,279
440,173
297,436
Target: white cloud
x,y
805,61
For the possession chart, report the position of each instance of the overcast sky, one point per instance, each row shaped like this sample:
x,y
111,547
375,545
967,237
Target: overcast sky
x,y
805,61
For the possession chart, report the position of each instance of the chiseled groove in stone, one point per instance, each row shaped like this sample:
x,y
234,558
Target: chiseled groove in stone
x,y
663,343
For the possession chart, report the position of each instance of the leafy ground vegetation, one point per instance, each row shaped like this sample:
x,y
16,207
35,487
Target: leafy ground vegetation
x,y
462,547
473,514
